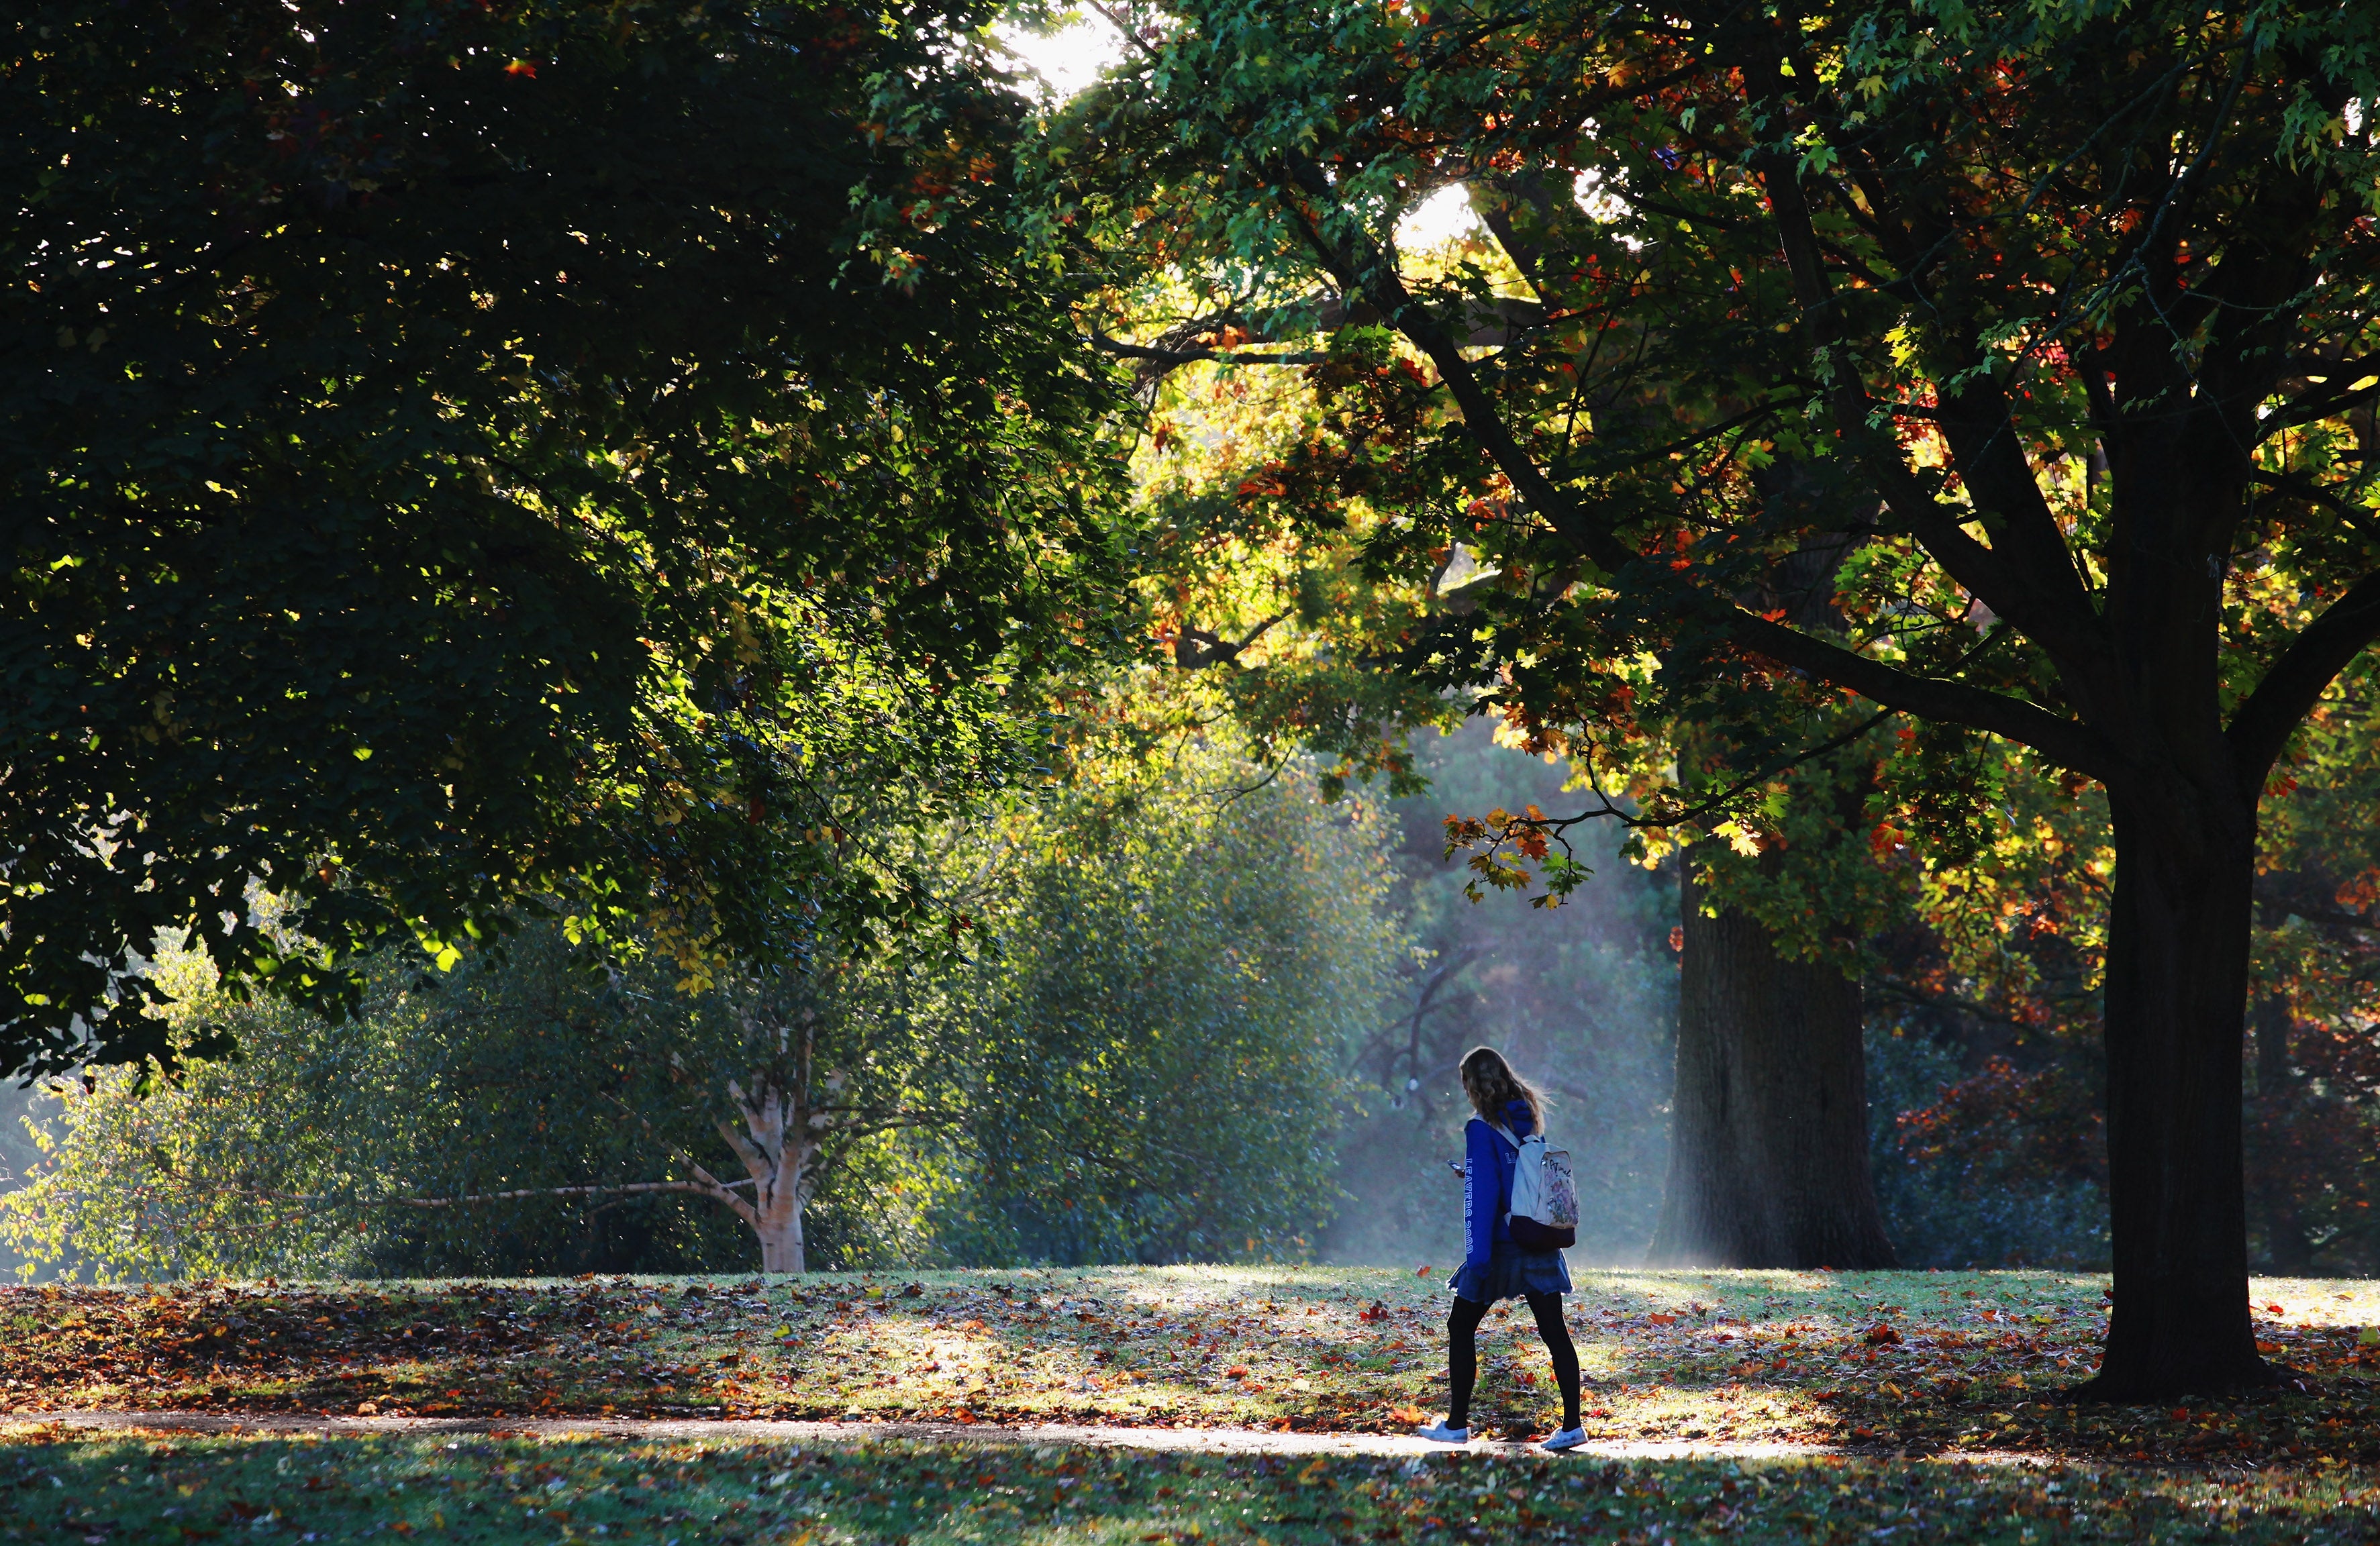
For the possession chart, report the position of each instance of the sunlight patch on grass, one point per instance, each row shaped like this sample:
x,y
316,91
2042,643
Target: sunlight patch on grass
x,y
1924,1362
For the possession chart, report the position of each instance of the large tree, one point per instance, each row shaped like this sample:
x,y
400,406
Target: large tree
x,y
2062,317
456,455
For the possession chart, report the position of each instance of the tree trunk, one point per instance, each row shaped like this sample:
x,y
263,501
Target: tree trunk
x,y
2177,998
2277,1091
775,1148
1768,1146
779,1228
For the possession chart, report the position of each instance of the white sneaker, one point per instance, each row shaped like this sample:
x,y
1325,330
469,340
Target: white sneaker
x,y
1568,1438
1441,1434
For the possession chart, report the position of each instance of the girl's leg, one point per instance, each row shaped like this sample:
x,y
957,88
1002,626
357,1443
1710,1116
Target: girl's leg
x,y
1548,1309
1463,1358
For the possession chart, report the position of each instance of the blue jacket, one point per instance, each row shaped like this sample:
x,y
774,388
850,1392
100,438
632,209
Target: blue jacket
x,y
1487,1182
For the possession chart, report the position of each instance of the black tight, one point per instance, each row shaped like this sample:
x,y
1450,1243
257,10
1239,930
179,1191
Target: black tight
x,y
1462,1355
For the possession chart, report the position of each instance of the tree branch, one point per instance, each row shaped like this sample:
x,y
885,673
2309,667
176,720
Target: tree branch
x,y
718,1191
2331,917
1949,1003
1368,273
2290,483
2059,618
704,1188
2262,725
2066,742
1172,358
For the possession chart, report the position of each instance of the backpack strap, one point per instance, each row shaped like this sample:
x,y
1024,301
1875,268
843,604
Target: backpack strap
x,y
1501,1131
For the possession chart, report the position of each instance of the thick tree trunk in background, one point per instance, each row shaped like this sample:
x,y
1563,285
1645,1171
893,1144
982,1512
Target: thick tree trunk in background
x,y
1769,1158
2177,999
2277,1093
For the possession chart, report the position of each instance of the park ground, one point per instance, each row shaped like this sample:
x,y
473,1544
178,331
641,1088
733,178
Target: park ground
x,y
1824,1406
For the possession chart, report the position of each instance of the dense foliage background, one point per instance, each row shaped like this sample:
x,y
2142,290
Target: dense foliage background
x,y
1141,1058
562,494
1196,1025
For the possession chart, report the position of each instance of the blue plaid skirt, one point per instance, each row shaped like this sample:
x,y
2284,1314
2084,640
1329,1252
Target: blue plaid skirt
x,y
1510,1272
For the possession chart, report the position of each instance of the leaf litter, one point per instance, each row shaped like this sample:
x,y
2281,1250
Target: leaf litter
x,y
1917,1363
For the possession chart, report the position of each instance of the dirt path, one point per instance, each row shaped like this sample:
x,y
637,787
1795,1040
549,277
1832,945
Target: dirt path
x,y
1200,1441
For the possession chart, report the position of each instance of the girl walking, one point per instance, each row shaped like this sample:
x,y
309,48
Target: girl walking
x,y
1494,1267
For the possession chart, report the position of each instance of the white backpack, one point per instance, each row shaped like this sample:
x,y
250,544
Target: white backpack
x,y
1545,1195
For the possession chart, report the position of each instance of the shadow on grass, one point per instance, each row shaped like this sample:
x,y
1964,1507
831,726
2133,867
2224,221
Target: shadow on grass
x,y
126,1488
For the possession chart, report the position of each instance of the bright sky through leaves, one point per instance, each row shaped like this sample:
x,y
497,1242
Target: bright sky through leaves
x,y
1072,58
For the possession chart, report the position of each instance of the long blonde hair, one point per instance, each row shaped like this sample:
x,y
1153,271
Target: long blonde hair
x,y
1492,1085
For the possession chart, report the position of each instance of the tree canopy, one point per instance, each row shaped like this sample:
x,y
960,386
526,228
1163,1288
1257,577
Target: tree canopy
x,y
2006,368
457,456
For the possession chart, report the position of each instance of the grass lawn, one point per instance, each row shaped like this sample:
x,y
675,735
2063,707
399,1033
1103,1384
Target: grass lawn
x,y
130,1488
1929,1361
1906,1364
